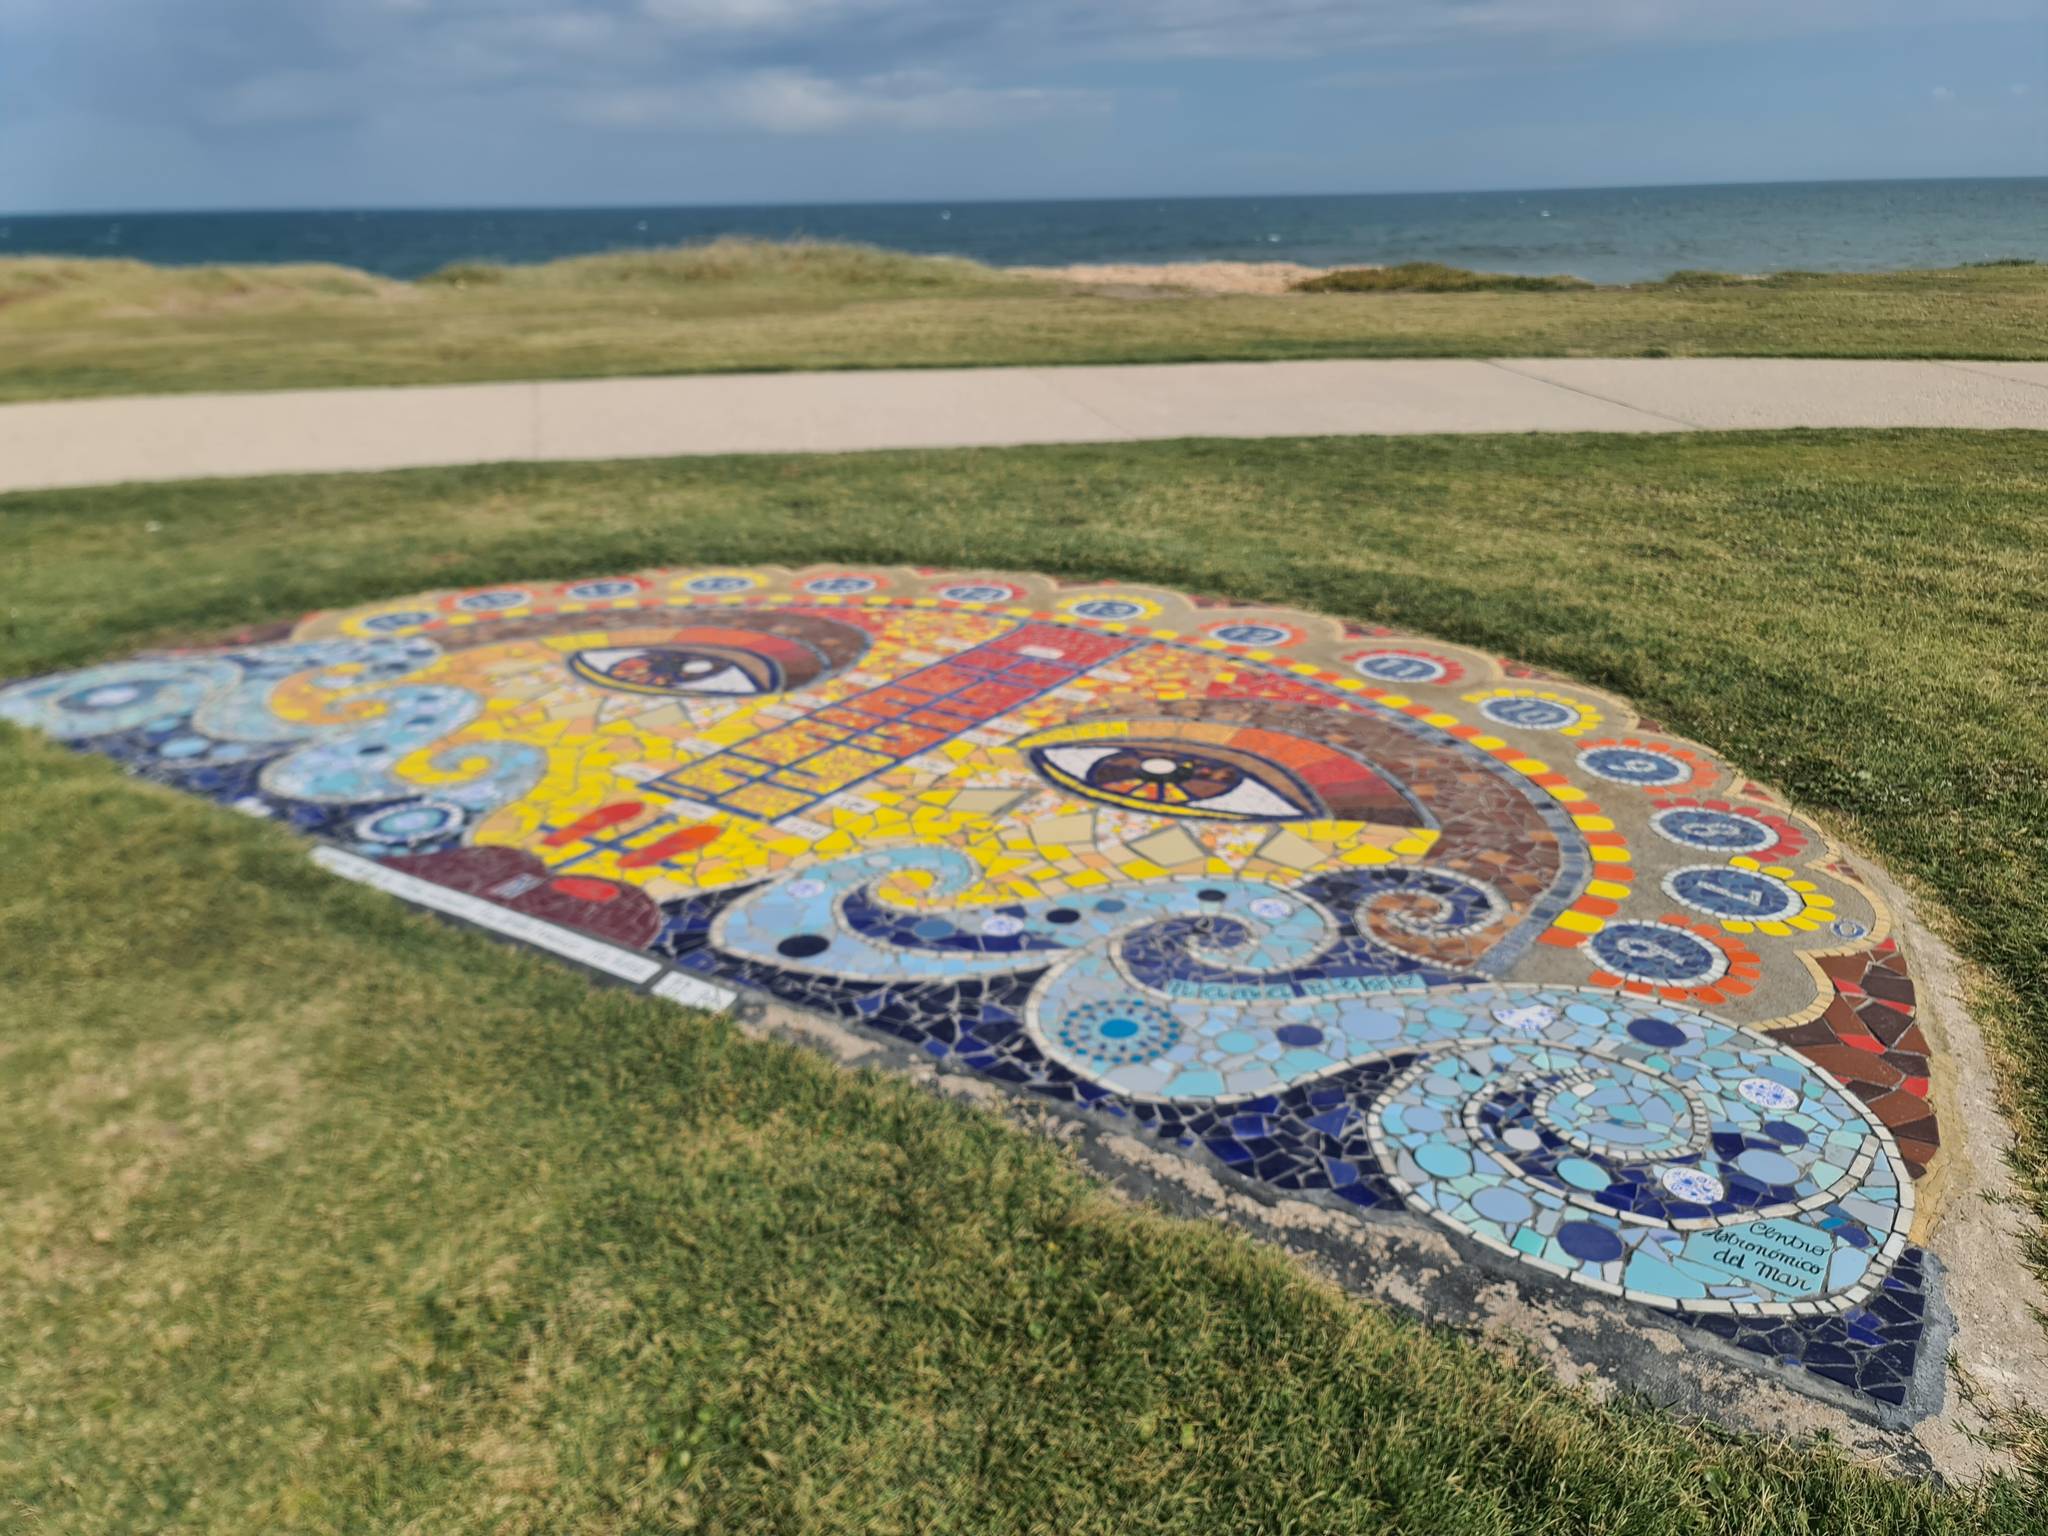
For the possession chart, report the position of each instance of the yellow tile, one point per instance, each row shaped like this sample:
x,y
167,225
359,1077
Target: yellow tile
x,y
1366,855
1141,869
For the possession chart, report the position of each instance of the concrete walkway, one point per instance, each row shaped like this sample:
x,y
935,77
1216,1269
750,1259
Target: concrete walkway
x,y
89,442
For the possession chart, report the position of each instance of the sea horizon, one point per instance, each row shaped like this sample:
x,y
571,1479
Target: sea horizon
x,y
1601,233
971,202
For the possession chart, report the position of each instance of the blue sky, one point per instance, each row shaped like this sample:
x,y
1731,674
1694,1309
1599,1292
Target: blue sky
x,y
128,104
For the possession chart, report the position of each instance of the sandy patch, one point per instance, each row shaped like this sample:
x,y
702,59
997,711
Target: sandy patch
x,y
1200,276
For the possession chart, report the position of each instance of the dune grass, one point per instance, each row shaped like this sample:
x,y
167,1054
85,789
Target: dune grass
x,y
1432,277
94,327
322,1217
796,267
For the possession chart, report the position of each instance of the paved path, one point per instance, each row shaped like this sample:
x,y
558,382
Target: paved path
x,y
88,442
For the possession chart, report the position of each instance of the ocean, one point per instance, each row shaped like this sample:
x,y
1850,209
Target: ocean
x,y
1609,235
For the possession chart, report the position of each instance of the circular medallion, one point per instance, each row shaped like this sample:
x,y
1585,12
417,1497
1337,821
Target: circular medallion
x,y
602,591
1117,1032
403,826
1402,667
980,592
1634,765
492,602
1530,714
1257,636
1660,954
1692,826
1720,891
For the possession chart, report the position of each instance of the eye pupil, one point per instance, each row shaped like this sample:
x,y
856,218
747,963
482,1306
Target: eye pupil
x,y
1158,767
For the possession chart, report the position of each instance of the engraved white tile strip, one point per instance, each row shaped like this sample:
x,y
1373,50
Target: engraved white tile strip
x,y
692,993
424,893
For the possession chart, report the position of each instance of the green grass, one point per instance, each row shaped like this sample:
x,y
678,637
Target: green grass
x,y
79,327
1432,277
323,1217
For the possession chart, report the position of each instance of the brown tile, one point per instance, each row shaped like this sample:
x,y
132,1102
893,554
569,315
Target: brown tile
x,y
1854,1066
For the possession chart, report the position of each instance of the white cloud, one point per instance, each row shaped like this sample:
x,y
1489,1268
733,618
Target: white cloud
x,y
1942,93
796,101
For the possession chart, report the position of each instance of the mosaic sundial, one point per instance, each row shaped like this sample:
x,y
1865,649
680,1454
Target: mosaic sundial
x,y
1346,914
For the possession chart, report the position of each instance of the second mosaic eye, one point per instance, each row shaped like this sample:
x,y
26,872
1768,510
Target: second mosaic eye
x,y
743,655
1173,778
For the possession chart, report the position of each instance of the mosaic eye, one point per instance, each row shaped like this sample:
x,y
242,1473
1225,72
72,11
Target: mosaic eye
x,y
1176,780
1180,767
730,660
677,669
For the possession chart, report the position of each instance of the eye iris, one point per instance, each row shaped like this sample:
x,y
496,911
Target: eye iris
x,y
678,669
667,666
1161,779
659,669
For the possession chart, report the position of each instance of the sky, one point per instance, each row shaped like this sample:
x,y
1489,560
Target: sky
x,y
161,104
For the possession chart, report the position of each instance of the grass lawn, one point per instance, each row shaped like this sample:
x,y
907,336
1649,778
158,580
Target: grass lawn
x,y
322,1217
79,327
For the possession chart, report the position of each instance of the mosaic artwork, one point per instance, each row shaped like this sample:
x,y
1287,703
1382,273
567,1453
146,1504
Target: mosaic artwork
x,y
1349,913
